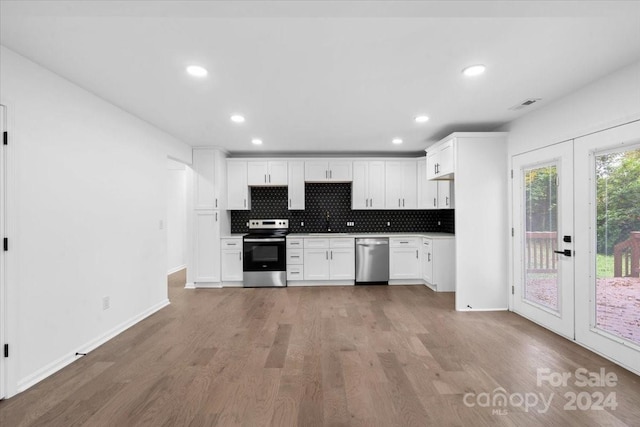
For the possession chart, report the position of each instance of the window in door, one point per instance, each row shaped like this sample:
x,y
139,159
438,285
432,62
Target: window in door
x,y
617,290
541,282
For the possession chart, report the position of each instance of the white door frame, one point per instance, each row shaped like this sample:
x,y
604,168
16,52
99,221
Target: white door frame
x,y
3,265
620,351
561,156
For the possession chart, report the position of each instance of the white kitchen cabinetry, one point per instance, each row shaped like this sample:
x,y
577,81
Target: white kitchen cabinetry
x,y
438,258
440,160
295,259
400,184
237,187
329,259
368,189
208,178
433,194
206,238
477,163
404,258
267,173
427,190
328,171
445,194
231,259
296,185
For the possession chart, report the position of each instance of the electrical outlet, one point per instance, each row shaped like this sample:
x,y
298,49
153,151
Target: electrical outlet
x,y
350,223
301,223
438,222
106,303
388,224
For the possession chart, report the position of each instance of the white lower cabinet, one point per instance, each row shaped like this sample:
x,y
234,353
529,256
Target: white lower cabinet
x,y
329,259
438,264
206,256
231,259
404,258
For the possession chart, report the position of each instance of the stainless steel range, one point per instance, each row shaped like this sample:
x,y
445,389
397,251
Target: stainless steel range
x,y
265,253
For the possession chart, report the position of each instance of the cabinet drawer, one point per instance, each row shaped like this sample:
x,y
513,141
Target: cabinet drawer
x,y
295,256
233,243
295,272
346,242
404,242
316,243
294,242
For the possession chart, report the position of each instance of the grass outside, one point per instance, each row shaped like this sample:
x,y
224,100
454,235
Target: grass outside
x,y
604,265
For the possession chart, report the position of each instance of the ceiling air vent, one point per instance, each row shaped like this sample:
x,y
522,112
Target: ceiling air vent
x,y
525,103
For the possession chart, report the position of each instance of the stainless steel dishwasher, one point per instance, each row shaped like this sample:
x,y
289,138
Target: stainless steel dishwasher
x,y
372,260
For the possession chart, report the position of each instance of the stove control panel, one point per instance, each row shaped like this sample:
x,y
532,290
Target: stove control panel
x,y
269,223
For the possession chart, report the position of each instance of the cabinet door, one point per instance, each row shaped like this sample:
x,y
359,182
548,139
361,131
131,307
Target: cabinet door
x,y
277,173
432,161
427,190
360,186
445,195
409,184
237,188
427,261
204,179
231,266
393,185
343,264
295,180
404,263
316,171
257,173
376,185
316,264
445,158
207,246
340,171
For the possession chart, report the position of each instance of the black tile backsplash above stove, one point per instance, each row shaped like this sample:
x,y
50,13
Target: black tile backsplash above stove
x,y
335,199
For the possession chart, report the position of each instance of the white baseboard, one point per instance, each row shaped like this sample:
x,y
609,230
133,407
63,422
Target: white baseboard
x,y
207,285
176,269
483,309
189,285
396,282
299,283
233,284
60,363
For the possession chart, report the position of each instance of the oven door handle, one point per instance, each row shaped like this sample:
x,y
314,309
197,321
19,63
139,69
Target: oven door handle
x,y
270,239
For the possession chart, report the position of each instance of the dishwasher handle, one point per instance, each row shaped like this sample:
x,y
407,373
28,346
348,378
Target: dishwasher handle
x,y
379,243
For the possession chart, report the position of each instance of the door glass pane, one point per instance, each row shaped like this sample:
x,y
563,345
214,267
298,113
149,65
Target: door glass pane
x,y
618,244
541,279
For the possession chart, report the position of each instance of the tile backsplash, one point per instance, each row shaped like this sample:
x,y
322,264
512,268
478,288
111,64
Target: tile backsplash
x,y
334,199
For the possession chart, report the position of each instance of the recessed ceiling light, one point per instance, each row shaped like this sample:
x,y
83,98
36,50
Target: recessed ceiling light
x,y
474,70
396,141
196,71
256,141
237,118
422,119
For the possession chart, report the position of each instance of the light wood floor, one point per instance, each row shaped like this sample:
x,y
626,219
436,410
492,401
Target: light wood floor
x,y
339,356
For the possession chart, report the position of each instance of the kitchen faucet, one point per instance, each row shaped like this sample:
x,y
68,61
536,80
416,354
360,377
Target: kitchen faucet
x,y
328,224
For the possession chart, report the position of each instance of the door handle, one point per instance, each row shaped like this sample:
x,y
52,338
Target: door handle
x,y
330,174
403,202
447,201
417,254
240,256
332,255
265,178
326,255
429,256
434,202
399,203
566,252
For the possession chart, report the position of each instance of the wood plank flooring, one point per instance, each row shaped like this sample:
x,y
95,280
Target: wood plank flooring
x,y
324,356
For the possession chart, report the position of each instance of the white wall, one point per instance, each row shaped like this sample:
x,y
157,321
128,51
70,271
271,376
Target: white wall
x,y
610,101
176,216
87,192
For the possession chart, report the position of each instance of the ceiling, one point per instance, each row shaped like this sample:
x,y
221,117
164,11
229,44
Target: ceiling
x,y
313,76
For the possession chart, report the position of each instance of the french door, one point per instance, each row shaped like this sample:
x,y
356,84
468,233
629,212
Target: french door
x,y
607,170
543,288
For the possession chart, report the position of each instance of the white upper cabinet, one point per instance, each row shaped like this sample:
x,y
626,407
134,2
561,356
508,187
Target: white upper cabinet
x,y
445,194
427,190
368,189
267,173
401,183
296,185
440,160
328,171
209,176
237,188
